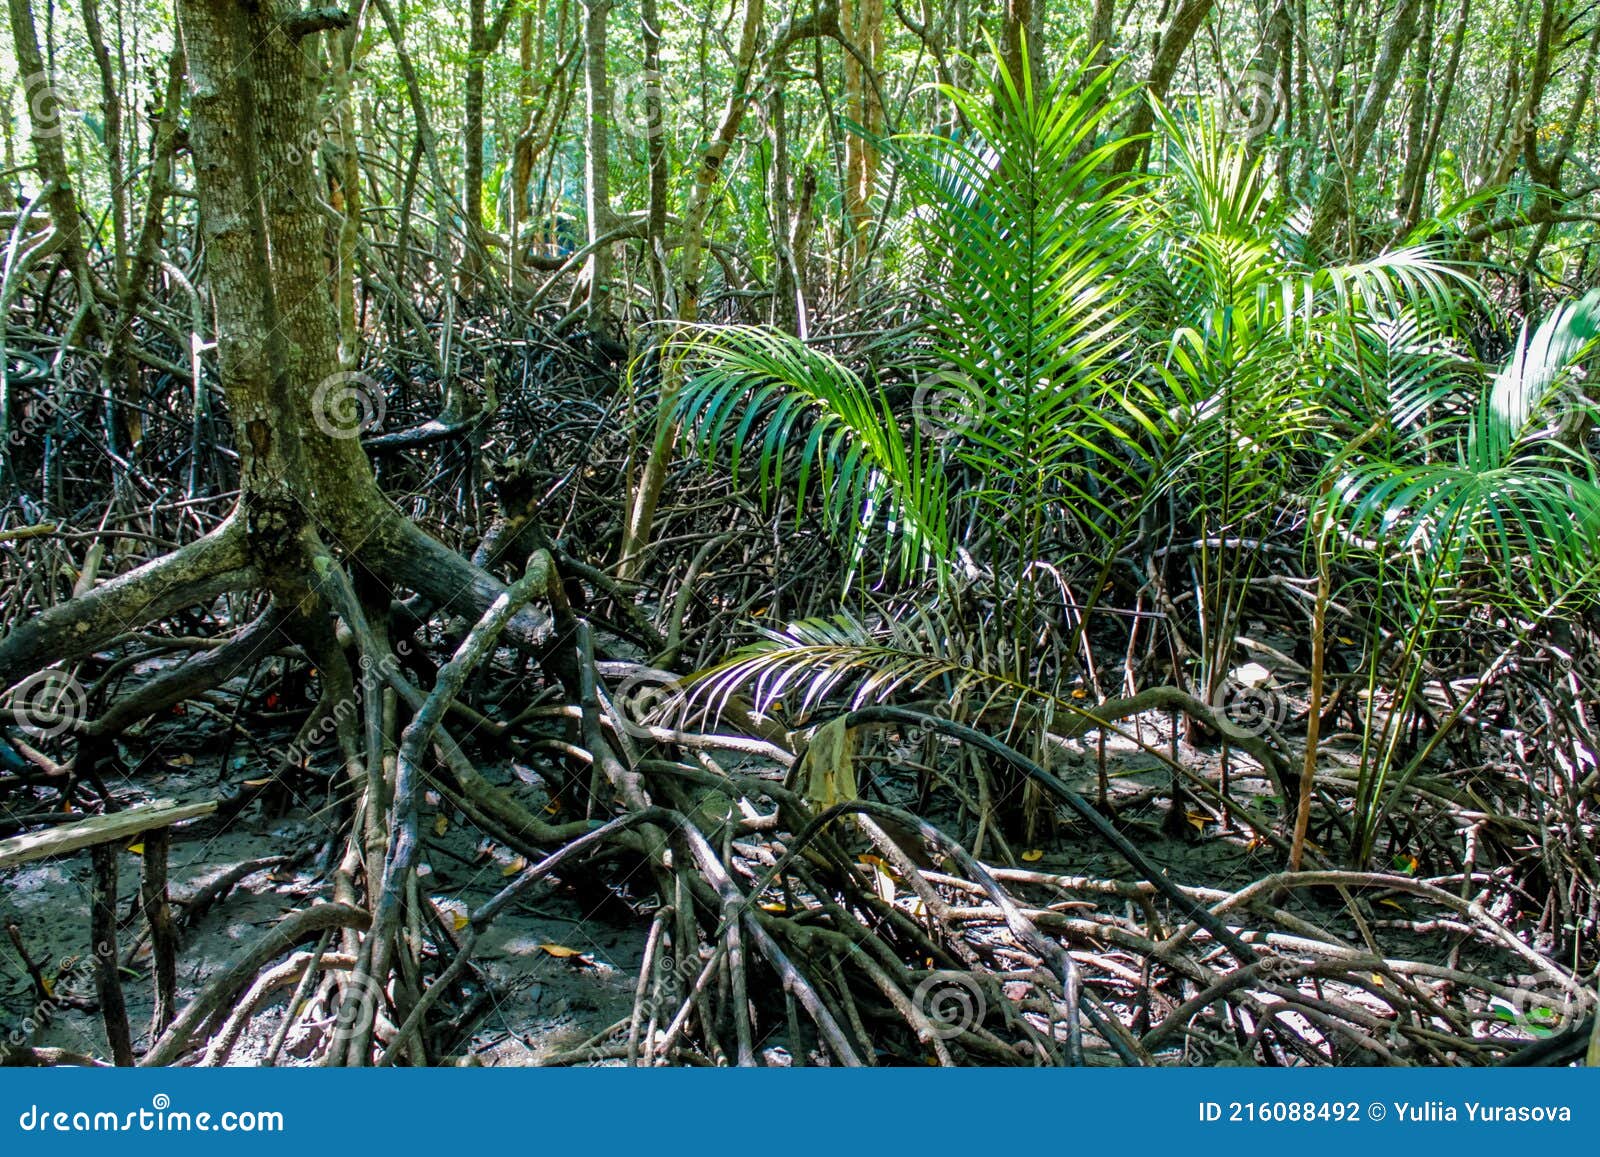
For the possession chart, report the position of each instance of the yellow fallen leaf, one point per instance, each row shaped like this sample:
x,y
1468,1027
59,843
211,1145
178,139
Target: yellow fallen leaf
x,y
780,909
882,879
49,986
1395,904
183,760
1198,819
1032,856
514,866
441,824
560,951
552,807
136,849
258,782
1079,693
455,910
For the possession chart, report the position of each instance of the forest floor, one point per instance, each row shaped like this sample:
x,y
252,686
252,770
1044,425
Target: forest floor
x,y
560,970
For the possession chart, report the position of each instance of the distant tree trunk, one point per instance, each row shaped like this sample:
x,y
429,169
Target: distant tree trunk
x,y
529,36
342,46
862,24
787,304
1021,47
45,123
655,147
641,511
1174,43
472,145
596,279
1333,204
1444,90
1415,173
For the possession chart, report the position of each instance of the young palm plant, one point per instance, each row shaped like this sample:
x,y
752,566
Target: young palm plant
x,y
1023,420
1499,497
1100,355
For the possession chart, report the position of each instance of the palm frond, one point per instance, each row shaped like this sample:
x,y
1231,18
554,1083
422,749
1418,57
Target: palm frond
x,y
761,393
1499,482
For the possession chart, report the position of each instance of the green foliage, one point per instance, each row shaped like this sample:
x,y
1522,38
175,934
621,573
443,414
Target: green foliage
x,y
765,394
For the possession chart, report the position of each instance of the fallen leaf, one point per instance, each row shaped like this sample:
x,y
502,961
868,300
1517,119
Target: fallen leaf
x,y
258,782
136,849
882,879
514,866
560,951
1032,856
441,824
1198,819
455,910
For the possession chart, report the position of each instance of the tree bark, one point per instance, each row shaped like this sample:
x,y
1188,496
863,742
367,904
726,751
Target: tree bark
x,y
1333,204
